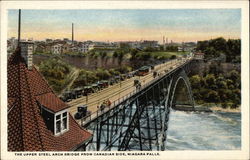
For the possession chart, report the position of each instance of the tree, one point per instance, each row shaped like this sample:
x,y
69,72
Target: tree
x,y
219,44
210,80
234,50
222,85
212,96
210,52
102,74
202,45
133,54
55,72
114,72
195,81
216,47
173,57
234,76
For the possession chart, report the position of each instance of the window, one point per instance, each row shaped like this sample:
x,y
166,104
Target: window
x,y
64,120
61,122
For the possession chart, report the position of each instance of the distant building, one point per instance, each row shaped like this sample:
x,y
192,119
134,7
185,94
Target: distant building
x,y
102,45
65,48
84,47
189,46
74,47
40,48
130,44
37,119
199,55
56,48
57,40
147,44
180,49
12,44
48,40
67,40
48,48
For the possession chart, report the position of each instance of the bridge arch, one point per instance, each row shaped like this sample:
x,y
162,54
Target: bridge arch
x,y
182,77
174,82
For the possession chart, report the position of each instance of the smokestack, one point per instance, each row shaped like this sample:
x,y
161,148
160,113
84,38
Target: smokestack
x,y
163,40
19,26
72,33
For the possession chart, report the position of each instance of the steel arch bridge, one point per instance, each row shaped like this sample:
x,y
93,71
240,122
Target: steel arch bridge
x,y
140,122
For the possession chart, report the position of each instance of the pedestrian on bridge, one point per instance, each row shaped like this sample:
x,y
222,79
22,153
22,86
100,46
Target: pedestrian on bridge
x,y
108,102
138,86
102,107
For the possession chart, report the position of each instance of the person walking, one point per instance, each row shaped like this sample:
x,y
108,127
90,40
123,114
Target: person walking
x,y
109,102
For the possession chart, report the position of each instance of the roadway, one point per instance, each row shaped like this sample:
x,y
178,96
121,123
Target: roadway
x,y
118,90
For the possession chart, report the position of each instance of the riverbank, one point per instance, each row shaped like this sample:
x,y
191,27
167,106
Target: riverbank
x,y
218,108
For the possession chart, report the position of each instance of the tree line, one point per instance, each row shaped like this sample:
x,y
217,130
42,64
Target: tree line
x,y
220,47
220,89
217,85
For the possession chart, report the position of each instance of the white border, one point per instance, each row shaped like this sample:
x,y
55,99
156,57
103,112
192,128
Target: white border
x,y
240,154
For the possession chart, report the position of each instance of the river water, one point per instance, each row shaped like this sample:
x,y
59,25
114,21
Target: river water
x,y
204,131
192,131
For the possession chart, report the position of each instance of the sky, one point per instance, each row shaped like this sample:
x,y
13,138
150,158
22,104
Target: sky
x,y
127,24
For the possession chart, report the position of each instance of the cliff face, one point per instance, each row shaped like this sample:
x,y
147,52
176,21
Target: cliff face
x,y
202,68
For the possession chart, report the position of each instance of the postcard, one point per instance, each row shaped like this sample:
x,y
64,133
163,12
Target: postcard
x,y
124,80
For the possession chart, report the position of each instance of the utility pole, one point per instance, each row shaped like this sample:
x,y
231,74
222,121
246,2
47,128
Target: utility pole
x,y
86,84
19,26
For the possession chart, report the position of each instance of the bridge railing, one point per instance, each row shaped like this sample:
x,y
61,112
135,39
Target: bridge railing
x,y
100,111
122,99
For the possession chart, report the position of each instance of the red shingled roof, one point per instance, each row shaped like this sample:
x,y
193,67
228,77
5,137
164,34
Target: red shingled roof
x,y
51,101
27,130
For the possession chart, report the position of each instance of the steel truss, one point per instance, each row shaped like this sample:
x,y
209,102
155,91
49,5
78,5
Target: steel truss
x,y
140,122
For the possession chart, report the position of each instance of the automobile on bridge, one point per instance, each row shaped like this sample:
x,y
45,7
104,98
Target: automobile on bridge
x,y
112,81
96,87
123,77
117,79
129,75
87,90
68,96
82,111
78,92
103,84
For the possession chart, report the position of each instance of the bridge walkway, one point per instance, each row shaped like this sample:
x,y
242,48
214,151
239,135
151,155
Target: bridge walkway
x,y
121,91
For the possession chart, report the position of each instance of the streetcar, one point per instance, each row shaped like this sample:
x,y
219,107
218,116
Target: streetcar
x,y
143,71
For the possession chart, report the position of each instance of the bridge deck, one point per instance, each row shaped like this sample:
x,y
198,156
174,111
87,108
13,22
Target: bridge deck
x,y
120,91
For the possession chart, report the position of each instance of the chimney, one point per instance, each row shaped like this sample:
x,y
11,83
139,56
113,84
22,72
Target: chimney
x,y
27,53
